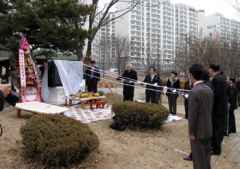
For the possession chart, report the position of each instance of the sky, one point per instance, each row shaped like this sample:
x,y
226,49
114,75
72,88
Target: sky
x,y
213,6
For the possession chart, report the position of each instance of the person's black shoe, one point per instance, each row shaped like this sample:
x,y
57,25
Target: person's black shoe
x,y
187,158
215,153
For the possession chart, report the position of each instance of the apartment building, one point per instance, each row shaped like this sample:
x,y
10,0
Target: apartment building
x,y
186,24
105,44
157,31
224,27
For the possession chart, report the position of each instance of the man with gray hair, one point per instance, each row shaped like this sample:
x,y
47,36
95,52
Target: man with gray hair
x,y
129,76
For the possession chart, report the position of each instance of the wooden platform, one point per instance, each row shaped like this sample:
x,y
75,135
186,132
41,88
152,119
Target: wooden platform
x,y
39,108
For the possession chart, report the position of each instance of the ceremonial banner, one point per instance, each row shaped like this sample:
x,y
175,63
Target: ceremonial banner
x,y
22,75
29,80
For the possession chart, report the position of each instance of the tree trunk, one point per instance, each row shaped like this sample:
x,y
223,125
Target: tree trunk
x,y
88,56
80,53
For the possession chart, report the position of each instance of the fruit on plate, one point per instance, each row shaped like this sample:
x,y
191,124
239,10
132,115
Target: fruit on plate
x,y
96,94
83,95
101,93
90,95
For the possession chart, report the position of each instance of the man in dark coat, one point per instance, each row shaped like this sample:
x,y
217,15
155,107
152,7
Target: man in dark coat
x,y
200,105
232,107
129,77
238,90
152,81
92,76
187,86
219,108
173,85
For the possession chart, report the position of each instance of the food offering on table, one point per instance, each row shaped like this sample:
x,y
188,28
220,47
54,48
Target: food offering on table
x,y
87,95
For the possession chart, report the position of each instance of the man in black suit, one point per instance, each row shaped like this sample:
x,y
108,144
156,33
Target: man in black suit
x,y
187,86
200,104
129,77
219,108
92,76
152,81
238,90
232,107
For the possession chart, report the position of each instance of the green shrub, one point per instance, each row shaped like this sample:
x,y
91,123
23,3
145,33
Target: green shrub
x,y
140,115
57,140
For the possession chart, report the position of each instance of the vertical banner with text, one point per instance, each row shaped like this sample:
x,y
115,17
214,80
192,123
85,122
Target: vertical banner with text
x,y
22,74
29,80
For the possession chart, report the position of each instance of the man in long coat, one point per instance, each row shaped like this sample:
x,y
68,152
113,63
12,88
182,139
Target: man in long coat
x,y
219,108
129,77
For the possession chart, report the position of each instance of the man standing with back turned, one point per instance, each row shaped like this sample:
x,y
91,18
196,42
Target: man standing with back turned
x,y
219,108
200,104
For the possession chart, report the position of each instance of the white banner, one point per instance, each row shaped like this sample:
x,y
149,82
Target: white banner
x,y
22,74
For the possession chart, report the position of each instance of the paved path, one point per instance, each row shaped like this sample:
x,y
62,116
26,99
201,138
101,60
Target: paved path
x,y
230,146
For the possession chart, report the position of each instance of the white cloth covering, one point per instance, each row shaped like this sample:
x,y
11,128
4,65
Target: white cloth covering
x,y
71,75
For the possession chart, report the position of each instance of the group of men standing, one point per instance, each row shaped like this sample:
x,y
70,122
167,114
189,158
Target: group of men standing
x,y
209,105
210,108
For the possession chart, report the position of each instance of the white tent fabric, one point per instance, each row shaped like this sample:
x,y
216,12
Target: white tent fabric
x,y
44,86
71,75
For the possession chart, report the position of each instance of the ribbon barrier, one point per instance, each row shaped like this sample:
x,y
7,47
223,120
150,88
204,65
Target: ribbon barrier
x,y
163,90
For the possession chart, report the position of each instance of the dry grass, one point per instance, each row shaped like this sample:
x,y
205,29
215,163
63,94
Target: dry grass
x,y
119,150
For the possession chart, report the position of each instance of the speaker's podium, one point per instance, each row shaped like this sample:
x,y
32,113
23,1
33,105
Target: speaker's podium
x,y
55,85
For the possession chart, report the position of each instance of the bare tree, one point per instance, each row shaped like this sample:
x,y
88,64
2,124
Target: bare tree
x,y
122,52
100,18
235,4
224,50
105,45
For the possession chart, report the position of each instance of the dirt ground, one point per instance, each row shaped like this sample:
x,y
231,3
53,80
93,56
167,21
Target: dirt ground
x,y
159,149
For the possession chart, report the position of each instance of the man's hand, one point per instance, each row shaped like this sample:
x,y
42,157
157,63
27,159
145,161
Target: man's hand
x,y
5,88
192,137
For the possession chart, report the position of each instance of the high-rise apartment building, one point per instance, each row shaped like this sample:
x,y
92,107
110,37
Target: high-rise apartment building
x,y
104,44
156,29
186,25
224,27
150,29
